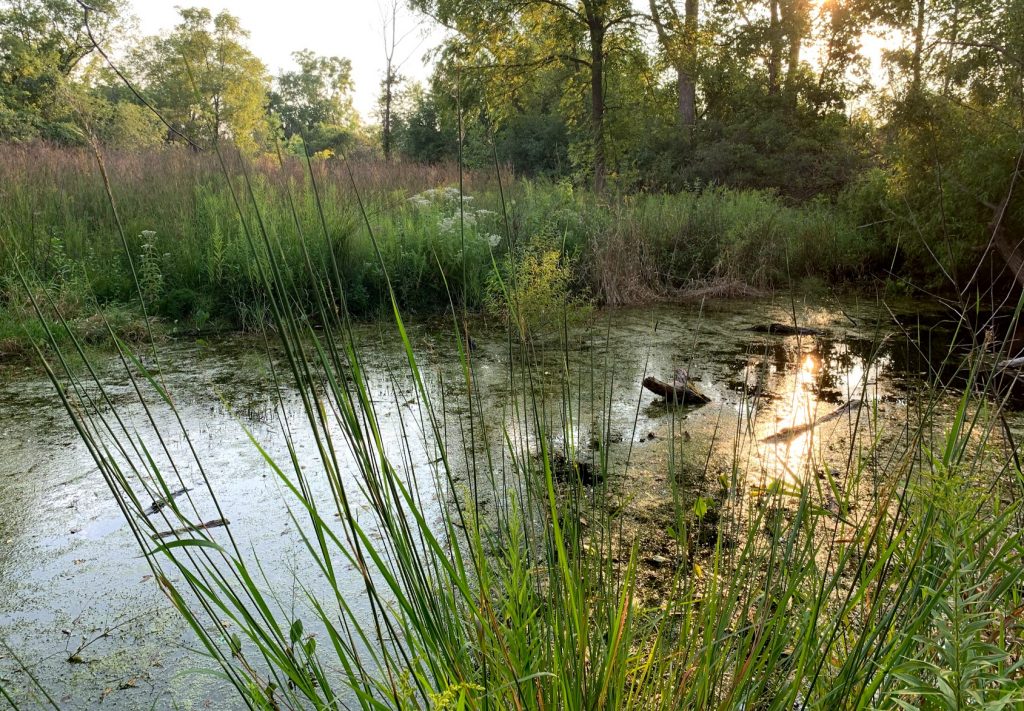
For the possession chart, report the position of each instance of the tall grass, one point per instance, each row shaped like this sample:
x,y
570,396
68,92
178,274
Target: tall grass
x,y
184,231
905,591
181,222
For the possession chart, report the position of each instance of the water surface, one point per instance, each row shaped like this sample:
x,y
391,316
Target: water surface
x,y
72,583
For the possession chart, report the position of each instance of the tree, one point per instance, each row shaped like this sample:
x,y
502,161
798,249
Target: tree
x,y
120,124
514,37
317,93
955,121
42,46
418,130
205,81
391,80
788,23
678,38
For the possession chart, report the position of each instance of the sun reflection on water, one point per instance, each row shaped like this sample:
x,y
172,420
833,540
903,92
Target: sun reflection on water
x,y
793,455
803,383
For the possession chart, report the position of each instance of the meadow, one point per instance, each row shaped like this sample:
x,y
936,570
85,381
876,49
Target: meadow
x,y
179,236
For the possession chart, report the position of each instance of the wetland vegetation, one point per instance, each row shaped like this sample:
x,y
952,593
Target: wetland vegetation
x,y
301,413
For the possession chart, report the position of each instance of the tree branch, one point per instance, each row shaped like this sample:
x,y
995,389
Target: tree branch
x,y
540,62
629,16
561,6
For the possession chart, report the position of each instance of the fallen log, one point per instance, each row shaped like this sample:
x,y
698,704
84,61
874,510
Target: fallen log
x,y
789,433
191,529
160,503
679,392
782,329
1011,364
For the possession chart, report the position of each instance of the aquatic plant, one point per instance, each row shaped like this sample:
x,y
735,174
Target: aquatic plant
x,y
533,294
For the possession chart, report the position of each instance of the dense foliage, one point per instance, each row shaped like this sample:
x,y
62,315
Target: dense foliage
x,y
907,114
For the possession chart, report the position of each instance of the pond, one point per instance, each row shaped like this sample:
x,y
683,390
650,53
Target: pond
x,y
78,605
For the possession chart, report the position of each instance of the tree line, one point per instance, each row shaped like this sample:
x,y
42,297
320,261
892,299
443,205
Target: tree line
x,y
908,113
197,84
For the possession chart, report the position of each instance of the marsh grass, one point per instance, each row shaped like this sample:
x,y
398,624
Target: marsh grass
x,y
525,594
185,233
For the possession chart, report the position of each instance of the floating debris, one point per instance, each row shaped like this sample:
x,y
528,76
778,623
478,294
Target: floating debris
x,y
191,529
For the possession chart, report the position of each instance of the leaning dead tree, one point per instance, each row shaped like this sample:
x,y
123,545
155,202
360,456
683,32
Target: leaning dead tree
x,y
1009,246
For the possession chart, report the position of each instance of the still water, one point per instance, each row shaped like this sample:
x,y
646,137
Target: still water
x,y
74,586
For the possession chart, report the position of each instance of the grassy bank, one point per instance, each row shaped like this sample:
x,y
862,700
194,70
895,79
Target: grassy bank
x,y
187,248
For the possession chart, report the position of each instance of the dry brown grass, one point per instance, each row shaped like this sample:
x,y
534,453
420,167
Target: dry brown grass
x,y
718,288
627,269
624,270
174,170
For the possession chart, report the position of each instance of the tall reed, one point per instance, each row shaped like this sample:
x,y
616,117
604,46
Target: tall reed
x,y
904,591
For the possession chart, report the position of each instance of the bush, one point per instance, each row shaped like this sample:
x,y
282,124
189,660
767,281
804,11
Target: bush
x,y
533,295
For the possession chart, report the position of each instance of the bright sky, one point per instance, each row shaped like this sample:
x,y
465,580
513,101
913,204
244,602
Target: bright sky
x,y
343,28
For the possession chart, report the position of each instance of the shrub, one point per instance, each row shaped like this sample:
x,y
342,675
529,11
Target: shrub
x,y
534,295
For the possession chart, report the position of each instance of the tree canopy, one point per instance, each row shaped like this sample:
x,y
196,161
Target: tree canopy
x,y
42,47
204,80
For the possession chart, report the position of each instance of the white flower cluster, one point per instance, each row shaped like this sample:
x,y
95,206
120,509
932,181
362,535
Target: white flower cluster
x,y
447,197
448,200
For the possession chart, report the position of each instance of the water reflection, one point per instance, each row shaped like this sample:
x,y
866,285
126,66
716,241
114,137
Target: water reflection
x,y
64,554
802,396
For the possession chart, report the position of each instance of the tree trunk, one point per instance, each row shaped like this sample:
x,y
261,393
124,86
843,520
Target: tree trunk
x,y
918,60
688,69
596,29
678,39
385,129
687,96
390,79
775,47
954,37
795,22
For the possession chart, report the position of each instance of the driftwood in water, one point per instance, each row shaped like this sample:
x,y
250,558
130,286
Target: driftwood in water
x,y
782,329
678,392
160,503
191,529
1012,364
789,433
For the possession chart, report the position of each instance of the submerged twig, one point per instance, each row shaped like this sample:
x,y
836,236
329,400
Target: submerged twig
x,y
190,529
160,503
784,435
